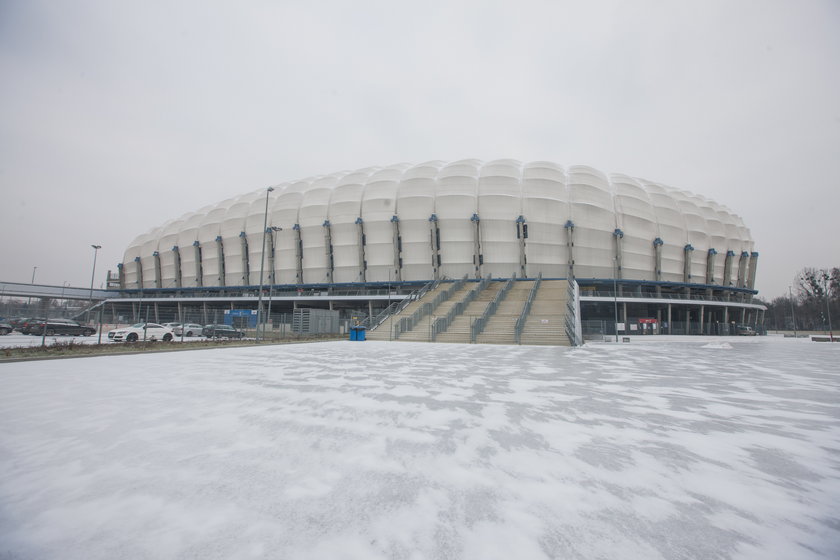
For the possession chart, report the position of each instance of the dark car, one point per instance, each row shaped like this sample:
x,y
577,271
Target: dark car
x,y
221,331
18,322
23,324
5,328
53,327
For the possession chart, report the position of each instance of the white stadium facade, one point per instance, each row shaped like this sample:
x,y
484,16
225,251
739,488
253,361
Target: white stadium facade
x,y
662,253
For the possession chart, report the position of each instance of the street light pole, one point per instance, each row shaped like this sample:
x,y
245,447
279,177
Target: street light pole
x,y
827,286
792,310
262,264
29,301
92,276
615,295
274,230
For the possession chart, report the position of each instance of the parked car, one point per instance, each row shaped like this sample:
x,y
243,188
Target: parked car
x,y
187,329
19,323
52,327
221,331
745,330
5,328
149,332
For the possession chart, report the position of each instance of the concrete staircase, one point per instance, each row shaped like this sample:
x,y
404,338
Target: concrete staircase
x,y
422,330
546,324
386,328
459,330
499,329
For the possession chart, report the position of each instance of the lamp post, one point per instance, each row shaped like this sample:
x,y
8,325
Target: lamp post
x,y
274,230
827,287
92,275
615,295
262,265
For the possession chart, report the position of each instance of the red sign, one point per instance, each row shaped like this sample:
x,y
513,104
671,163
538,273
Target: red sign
x,y
648,321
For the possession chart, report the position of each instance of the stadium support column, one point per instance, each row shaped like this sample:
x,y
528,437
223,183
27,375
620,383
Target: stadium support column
x,y
177,258
434,235
727,274
246,264
743,263
478,258
329,249
710,269
570,246
657,263
360,230
687,250
522,235
742,269
158,282
139,272
397,242
298,254
220,247
753,267
199,268
618,235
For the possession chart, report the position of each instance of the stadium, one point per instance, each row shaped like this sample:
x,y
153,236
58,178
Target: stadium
x,y
632,256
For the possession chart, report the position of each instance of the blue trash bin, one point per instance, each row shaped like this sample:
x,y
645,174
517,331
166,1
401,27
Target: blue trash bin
x,y
353,334
360,333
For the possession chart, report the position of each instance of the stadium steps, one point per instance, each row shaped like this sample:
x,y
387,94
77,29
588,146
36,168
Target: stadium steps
x,y
422,330
459,330
500,327
546,323
384,330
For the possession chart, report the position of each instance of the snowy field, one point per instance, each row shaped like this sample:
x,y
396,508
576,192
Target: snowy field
x,y
701,449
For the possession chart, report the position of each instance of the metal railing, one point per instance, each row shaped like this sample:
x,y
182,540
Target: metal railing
x,y
481,323
398,306
441,324
526,309
406,324
636,295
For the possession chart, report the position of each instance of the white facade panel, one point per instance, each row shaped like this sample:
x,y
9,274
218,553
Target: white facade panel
x,y
636,218
415,206
285,215
208,233
455,205
593,214
545,208
188,237
169,261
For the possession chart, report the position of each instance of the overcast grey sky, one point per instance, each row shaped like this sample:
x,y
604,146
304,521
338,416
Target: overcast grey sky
x,y
118,116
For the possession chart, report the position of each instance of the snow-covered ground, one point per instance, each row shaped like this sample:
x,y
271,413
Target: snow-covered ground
x,y
689,449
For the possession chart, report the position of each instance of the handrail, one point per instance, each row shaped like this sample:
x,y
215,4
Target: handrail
x,y
408,323
397,307
441,324
526,309
479,325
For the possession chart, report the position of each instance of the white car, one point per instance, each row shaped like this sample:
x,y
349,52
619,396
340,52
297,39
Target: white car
x,y
188,329
141,332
